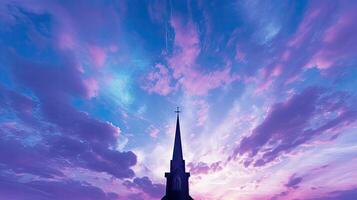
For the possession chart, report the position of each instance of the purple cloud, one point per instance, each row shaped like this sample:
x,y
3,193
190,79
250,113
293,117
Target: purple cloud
x,y
84,141
294,182
93,157
21,105
10,188
98,55
53,85
68,137
135,197
291,123
146,185
185,70
339,41
19,158
159,81
204,168
348,194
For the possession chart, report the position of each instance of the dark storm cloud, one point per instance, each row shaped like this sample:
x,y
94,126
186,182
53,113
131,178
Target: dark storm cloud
x,y
288,124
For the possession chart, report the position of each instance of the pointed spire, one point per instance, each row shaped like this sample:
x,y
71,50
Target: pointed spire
x,y
177,154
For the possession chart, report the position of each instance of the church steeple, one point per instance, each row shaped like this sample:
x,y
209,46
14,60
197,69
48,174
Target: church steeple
x,y
177,154
177,187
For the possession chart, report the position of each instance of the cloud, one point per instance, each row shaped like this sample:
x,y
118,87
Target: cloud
x,y
348,194
184,65
157,11
289,58
25,159
71,135
183,69
204,168
291,124
338,42
153,131
294,182
93,157
92,87
307,25
98,55
68,137
145,184
202,111
54,84
264,17
10,188
159,81
22,105
240,55
53,153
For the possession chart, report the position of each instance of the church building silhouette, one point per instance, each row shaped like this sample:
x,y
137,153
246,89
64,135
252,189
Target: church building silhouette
x,y
177,187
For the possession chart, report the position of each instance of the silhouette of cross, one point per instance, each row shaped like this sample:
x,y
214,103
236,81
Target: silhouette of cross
x,y
177,110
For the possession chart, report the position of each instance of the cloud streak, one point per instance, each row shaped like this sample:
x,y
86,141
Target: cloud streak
x,y
289,125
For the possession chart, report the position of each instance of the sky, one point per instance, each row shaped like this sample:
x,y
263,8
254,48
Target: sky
x,y
267,91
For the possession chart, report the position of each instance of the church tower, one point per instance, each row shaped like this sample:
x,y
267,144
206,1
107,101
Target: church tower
x,y
177,187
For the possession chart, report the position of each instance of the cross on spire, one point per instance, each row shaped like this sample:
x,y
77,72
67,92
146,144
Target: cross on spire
x,y
177,111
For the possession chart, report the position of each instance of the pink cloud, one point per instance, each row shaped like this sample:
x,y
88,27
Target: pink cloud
x,y
305,27
199,84
277,70
153,131
286,55
263,86
66,40
92,87
323,59
184,66
267,81
240,55
292,79
98,55
113,48
159,81
339,42
202,113
187,48
204,168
